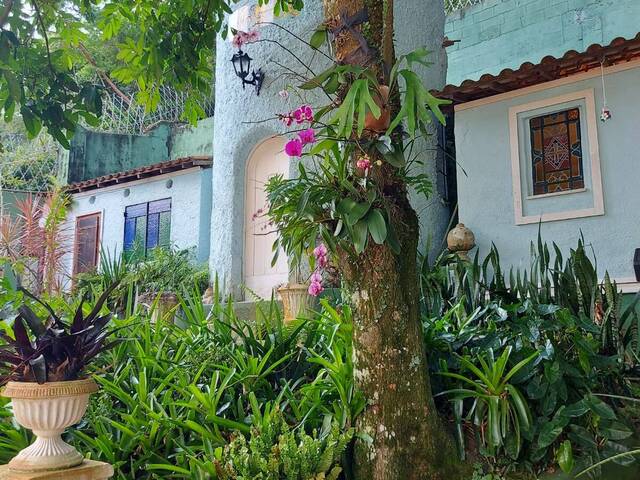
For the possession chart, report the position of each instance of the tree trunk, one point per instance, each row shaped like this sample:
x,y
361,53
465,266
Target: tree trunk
x,y
401,436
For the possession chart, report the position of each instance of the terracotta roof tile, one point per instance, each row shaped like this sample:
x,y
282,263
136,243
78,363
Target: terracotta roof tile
x,y
139,173
550,68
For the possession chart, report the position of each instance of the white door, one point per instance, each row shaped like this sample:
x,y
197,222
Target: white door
x,y
267,160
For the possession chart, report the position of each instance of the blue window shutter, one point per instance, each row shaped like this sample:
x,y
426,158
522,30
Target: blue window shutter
x,y
129,233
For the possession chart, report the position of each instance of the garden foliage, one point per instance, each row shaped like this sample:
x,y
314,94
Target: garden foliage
x,y
533,361
173,397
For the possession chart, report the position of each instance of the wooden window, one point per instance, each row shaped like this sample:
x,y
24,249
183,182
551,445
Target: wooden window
x,y
556,152
147,226
87,243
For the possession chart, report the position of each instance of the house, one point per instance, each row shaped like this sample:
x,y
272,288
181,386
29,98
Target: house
x,y
137,191
115,176
546,113
527,78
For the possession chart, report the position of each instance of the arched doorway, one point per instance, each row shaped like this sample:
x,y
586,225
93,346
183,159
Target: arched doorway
x,y
267,159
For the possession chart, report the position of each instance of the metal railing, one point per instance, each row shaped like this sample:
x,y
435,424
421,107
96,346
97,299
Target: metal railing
x,y
453,5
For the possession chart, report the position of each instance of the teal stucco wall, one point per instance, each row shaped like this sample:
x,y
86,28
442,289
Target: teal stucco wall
x,y
486,195
94,154
499,34
187,140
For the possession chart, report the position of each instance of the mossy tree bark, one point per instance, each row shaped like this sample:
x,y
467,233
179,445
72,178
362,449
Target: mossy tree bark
x,y
403,437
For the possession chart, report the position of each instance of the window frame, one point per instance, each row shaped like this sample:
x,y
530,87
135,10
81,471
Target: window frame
x,y
590,125
76,243
147,205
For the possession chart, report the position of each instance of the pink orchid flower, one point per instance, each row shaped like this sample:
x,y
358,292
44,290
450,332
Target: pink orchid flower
x,y
307,136
293,148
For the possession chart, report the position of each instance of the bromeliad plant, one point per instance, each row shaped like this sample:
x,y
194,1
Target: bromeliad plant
x,y
46,346
276,451
499,409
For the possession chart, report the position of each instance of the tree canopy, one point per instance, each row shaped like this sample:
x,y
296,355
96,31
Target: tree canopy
x,y
45,45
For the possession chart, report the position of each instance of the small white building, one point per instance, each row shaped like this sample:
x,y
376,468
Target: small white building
x,y
163,204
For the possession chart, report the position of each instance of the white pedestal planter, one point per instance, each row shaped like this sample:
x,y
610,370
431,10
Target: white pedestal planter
x,y
47,410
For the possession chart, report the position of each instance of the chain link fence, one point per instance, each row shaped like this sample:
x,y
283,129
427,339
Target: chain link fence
x,y
122,114
453,5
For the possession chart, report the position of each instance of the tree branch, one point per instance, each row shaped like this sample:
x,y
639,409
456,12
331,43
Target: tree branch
x,y
44,34
105,78
5,14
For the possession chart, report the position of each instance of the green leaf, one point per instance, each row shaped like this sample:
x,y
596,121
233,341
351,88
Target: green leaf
x,y
318,38
377,226
357,213
360,234
548,434
14,85
600,408
31,122
564,457
615,431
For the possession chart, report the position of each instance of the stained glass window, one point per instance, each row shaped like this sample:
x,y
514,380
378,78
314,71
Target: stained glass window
x,y
556,152
147,225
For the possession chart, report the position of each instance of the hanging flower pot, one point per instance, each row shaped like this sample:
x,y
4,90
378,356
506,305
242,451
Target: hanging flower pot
x,y
296,301
380,124
48,410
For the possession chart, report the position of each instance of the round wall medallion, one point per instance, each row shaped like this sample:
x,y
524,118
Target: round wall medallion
x,y
126,192
169,183
92,199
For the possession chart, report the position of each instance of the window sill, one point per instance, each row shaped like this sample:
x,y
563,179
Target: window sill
x,y
556,194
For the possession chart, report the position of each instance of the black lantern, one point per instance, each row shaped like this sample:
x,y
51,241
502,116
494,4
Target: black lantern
x,y
242,64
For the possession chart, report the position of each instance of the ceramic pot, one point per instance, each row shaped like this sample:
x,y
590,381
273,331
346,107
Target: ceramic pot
x,y
380,124
48,410
460,240
296,301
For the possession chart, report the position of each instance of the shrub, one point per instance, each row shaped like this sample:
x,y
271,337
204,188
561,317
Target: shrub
x,y
274,451
172,397
586,345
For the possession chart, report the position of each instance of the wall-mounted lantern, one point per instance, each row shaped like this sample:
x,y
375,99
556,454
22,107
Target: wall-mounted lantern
x,y
242,64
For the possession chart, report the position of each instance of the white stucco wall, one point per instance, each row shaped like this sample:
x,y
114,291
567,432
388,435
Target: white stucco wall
x,y
238,113
485,181
186,204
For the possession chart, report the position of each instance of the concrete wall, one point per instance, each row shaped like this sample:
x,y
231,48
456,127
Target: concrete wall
x,y
235,109
485,182
498,34
94,154
190,189
186,140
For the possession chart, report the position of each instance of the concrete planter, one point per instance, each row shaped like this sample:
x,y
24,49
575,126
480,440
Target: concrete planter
x,y
165,307
296,301
48,410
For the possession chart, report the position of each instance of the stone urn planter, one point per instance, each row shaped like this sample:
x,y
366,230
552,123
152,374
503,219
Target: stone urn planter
x,y
48,410
461,240
296,300
164,308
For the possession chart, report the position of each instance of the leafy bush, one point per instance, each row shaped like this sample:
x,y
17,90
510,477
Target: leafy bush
x,y
172,398
169,270
586,346
276,452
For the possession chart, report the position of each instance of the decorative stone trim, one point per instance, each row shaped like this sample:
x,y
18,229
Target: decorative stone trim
x,y
31,390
